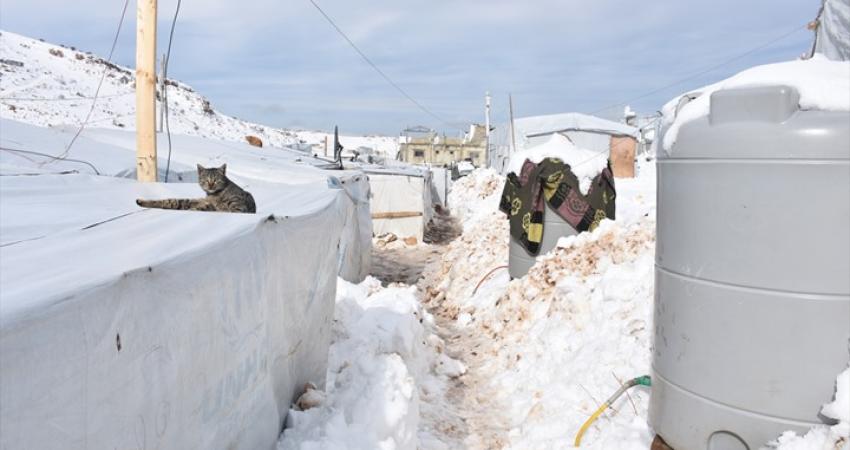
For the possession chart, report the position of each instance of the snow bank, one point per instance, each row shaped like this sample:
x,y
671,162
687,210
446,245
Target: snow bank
x,y
476,194
385,367
821,83
824,437
585,164
554,344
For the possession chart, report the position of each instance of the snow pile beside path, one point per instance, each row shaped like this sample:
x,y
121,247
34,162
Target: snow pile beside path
x,y
386,369
585,164
822,85
476,194
825,437
554,344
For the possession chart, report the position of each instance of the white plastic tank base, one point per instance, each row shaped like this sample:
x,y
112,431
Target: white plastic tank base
x,y
554,228
752,296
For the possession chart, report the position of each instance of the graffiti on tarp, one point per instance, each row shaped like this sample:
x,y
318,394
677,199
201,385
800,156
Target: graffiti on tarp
x,y
236,382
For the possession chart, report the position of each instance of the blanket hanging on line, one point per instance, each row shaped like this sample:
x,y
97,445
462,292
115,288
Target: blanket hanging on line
x,y
552,181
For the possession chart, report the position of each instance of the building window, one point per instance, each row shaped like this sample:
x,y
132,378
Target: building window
x,y
419,153
473,155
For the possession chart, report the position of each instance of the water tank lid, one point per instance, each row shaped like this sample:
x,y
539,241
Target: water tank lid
x,y
763,122
773,104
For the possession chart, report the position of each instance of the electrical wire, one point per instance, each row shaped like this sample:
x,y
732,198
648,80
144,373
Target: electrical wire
x,y
703,71
99,84
165,88
51,157
486,276
381,72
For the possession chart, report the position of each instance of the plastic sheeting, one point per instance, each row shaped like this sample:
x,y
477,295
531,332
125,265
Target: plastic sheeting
x,y
112,152
405,198
441,183
833,34
159,329
588,132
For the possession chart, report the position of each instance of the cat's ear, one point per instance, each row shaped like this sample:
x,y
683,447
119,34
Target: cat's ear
x,y
200,168
223,169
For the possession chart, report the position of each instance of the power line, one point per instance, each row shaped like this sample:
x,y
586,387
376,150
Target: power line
x,y
165,88
51,157
705,70
99,84
381,72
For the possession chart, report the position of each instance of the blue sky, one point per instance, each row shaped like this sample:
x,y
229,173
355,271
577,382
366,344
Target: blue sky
x,y
281,64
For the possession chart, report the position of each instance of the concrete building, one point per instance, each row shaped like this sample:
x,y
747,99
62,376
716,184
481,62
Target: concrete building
x,y
419,145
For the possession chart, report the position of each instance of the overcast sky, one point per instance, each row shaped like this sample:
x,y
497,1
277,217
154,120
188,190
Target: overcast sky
x,y
281,64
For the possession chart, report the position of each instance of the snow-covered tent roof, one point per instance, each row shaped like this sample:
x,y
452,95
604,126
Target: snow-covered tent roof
x,y
540,125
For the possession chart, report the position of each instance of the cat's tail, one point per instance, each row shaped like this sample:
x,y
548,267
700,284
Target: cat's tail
x,y
169,203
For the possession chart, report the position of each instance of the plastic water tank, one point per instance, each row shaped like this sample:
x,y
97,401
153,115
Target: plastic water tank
x,y
752,295
554,228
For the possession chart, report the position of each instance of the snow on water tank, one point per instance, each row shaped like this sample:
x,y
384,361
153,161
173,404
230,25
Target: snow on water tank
x,y
752,297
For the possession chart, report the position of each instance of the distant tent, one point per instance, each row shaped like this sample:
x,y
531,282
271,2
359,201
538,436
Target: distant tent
x,y
584,131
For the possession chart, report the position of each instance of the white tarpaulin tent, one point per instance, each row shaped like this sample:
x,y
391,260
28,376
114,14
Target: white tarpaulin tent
x,y
159,329
587,132
112,152
122,327
832,38
401,200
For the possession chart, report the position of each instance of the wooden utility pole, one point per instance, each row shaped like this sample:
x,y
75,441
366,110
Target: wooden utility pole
x,y
146,90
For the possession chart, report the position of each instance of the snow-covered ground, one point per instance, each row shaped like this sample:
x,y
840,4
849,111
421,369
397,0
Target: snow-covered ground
x,y
538,354
553,344
50,85
387,375
468,358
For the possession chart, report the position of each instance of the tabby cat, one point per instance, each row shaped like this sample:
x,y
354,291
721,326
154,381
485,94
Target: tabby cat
x,y
222,195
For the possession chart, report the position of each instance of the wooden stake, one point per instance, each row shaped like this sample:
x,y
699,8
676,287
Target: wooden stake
x,y
396,214
146,90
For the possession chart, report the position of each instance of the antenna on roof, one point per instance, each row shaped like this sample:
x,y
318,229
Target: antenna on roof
x,y
511,113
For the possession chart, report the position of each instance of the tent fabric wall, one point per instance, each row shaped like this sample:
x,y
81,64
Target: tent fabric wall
x,y
160,329
400,194
355,253
441,181
588,132
833,34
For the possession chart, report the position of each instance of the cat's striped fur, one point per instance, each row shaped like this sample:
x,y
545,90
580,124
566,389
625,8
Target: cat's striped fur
x,y
222,195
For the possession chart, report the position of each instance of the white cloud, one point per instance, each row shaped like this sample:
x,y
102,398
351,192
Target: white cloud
x,y
554,55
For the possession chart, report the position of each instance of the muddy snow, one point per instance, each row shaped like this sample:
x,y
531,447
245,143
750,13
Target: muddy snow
x,y
441,350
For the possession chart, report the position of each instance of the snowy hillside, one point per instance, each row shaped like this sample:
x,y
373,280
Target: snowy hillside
x,y
51,85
